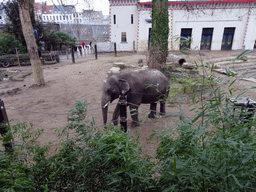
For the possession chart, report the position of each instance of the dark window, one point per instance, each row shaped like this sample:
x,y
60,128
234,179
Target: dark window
x,y
131,18
123,37
0,17
114,19
63,17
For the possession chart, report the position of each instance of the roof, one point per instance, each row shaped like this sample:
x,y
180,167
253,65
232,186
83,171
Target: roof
x,y
65,8
200,1
43,7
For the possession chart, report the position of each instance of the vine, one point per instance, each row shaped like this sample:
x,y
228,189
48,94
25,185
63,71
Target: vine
x,y
159,34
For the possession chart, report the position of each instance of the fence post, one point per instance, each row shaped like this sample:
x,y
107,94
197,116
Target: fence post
x,y
3,131
123,112
115,48
95,49
133,46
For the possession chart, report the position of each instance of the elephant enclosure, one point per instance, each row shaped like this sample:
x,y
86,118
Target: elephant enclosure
x,y
47,106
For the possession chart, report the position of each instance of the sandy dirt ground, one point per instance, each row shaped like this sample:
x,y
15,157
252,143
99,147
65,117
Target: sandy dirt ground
x,y
47,106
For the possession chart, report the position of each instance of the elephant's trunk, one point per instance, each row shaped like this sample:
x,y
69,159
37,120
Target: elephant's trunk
x,y
104,104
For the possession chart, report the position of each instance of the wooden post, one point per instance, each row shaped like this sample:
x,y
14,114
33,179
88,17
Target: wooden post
x,y
16,49
3,123
123,112
72,55
95,49
115,48
133,46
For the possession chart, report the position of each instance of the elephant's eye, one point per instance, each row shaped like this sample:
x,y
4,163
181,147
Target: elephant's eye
x,y
108,91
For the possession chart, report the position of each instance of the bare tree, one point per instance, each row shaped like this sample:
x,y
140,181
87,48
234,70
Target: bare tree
x,y
30,40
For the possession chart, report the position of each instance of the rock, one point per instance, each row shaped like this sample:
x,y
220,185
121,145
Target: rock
x,y
114,70
189,66
13,91
120,65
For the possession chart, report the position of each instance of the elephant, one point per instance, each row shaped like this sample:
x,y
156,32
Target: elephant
x,y
141,86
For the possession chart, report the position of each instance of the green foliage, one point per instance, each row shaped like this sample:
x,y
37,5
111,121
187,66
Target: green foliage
x,y
13,26
56,39
9,43
159,34
89,160
222,159
214,151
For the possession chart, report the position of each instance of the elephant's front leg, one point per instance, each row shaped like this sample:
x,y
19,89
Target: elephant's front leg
x,y
116,114
152,110
134,115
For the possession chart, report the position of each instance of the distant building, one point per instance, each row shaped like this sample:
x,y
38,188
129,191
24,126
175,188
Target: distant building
x,y
211,25
67,15
42,8
3,16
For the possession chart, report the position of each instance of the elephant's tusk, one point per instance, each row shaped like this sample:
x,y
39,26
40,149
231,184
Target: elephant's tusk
x,y
106,104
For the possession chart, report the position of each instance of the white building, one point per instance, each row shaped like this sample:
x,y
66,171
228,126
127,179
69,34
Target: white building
x,y
213,25
68,15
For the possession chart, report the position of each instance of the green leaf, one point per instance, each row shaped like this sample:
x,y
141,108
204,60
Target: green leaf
x,y
212,67
237,182
232,83
203,157
174,166
201,130
244,53
249,156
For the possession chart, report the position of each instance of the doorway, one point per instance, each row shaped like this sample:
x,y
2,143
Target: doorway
x,y
206,39
227,39
149,38
185,38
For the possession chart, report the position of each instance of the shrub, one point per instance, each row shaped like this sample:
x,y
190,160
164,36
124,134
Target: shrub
x,y
9,43
90,160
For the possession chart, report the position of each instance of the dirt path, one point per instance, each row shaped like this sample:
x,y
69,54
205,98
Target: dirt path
x,y
47,106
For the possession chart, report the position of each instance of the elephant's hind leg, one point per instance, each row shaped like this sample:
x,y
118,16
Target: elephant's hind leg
x,y
162,108
134,115
152,110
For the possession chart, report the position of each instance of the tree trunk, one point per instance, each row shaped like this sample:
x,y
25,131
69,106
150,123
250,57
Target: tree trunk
x,y
30,41
159,34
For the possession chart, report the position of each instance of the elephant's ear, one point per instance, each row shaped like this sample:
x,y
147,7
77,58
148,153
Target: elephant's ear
x,y
124,86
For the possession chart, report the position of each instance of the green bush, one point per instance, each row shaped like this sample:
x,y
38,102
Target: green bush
x,y
9,43
91,160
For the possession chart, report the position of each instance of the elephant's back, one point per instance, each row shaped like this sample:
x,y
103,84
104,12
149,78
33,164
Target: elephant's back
x,y
153,76
149,80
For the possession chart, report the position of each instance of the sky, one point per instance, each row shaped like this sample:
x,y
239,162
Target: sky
x,y
97,5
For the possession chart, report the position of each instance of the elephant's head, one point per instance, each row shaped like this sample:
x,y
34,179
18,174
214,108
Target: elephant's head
x,y
114,87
